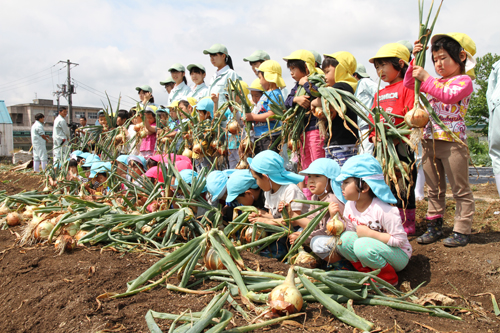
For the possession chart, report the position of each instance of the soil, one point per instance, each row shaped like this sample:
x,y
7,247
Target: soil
x,y
15,182
46,292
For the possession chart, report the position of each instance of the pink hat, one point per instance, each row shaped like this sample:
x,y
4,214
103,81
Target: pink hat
x,y
155,172
163,157
181,165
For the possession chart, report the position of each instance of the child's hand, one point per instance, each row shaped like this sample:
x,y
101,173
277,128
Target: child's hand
x,y
247,116
316,103
293,237
281,205
420,73
417,47
333,208
302,101
363,231
303,81
215,98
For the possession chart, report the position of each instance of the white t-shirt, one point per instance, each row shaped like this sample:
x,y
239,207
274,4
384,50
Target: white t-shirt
x,y
131,134
381,217
286,193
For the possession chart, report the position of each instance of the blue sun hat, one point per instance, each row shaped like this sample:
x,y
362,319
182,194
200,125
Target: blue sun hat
x,y
239,182
331,170
91,159
216,183
138,159
206,104
99,167
75,154
272,165
366,167
123,159
188,175
85,155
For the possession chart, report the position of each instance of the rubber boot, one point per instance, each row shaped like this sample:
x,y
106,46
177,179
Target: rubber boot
x,y
360,268
408,220
387,273
434,231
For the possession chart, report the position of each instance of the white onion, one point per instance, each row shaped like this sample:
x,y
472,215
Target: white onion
x,y
286,298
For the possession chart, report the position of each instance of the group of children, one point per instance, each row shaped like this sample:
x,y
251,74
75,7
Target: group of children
x,y
339,169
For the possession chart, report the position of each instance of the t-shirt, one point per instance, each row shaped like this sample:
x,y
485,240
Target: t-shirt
x,y
381,217
261,127
340,134
149,142
396,99
286,193
321,228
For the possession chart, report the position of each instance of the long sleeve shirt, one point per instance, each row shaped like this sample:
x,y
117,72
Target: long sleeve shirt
x,y
380,217
218,83
61,130
178,92
365,92
199,91
311,121
450,100
321,228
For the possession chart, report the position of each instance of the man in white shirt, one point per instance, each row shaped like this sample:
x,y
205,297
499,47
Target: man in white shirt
x,y
61,135
365,92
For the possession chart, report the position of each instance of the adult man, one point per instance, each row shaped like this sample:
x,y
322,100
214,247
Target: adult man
x,y
39,141
61,135
83,121
365,92
493,99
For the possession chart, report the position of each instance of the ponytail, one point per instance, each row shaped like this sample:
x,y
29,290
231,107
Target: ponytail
x,y
184,79
152,99
229,62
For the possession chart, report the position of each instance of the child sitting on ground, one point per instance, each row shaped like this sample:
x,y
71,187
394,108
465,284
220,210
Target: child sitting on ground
x,y
374,237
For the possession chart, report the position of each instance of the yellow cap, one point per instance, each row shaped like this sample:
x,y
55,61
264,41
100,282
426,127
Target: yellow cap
x,y
244,86
191,100
392,50
174,104
256,86
467,44
305,56
346,68
272,72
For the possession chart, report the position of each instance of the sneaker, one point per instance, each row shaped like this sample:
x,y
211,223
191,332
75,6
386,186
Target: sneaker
x,y
456,239
433,233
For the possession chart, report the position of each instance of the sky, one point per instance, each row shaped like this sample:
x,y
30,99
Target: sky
x,y
119,45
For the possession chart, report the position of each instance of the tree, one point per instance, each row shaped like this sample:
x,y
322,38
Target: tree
x,y
478,114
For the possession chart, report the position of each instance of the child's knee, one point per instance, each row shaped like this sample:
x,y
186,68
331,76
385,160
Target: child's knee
x,y
365,251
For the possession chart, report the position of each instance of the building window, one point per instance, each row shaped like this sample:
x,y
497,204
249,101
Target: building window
x,y
79,114
17,118
92,115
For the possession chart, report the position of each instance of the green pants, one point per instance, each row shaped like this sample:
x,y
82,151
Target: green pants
x,y
371,252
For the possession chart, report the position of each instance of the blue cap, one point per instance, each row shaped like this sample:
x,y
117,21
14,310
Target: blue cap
x,y
328,168
206,104
77,153
92,158
99,167
187,175
216,183
239,182
85,155
271,164
366,167
122,159
137,158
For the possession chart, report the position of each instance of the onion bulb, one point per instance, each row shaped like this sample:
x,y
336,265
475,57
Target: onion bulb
x,y
242,164
334,226
80,234
143,133
233,127
259,233
146,229
305,259
318,112
214,144
164,140
64,243
197,148
138,127
119,139
187,152
42,231
14,219
286,299
28,213
222,151
212,260
72,228
291,145
417,117
4,209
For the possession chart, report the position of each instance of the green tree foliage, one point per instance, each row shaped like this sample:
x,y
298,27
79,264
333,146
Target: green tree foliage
x,y
478,113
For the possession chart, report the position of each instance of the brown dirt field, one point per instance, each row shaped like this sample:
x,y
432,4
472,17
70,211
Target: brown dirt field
x,y
45,292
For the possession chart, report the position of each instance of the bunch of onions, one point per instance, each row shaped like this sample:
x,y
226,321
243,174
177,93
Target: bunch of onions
x,y
64,243
42,231
259,233
212,260
242,164
305,259
13,219
318,112
417,117
233,127
187,152
286,298
334,227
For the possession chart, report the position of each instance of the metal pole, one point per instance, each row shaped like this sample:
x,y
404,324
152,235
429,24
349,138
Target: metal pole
x,y
70,93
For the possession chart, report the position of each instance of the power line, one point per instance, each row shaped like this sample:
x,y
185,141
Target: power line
x,y
19,87
28,82
103,97
101,94
23,78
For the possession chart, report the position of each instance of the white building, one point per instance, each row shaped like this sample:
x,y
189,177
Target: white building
x,y
6,131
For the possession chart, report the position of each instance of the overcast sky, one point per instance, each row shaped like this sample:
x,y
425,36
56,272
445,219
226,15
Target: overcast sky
x,y
122,44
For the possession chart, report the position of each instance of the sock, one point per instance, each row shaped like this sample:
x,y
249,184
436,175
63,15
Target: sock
x,y
36,166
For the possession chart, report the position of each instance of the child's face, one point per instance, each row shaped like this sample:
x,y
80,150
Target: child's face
x,y
218,60
102,121
387,72
256,65
246,199
150,118
317,184
198,78
296,73
101,178
187,109
350,190
121,169
445,65
120,121
256,95
265,84
173,113
144,96
263,182
203,115
177,76
169,87
136,170
329,75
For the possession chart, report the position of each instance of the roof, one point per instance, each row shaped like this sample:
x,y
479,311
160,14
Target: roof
x,y
4,114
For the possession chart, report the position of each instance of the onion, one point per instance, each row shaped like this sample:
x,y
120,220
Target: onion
x,y
258,234
214,144
187,152
4,209
318,113
46,189
72,228
197,148
305,259
212,260
146,229
417,117
80,234
138,127
164,140
42,231
233,127
28,213
222,151
334,227
286,299
14,219
118,139
242,164
291,145
64,243
143,133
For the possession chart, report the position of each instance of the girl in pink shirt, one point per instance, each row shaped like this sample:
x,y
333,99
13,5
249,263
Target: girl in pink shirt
x,y
374,237
149,142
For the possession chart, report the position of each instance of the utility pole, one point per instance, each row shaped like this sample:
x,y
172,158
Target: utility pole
x,y
71,90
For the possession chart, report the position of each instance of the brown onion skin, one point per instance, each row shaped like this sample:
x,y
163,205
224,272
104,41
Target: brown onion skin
x,y
212,260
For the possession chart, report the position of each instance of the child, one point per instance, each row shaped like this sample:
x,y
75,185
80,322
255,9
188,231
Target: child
x,y
149,142
257,96
188,176
146,96
233,140
216,185
205,109
322,184
137,167
198,74
73,170
444,157
270,79
374,237
181,88
242,188
169,84
341,145
99,176
256,59
391,64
